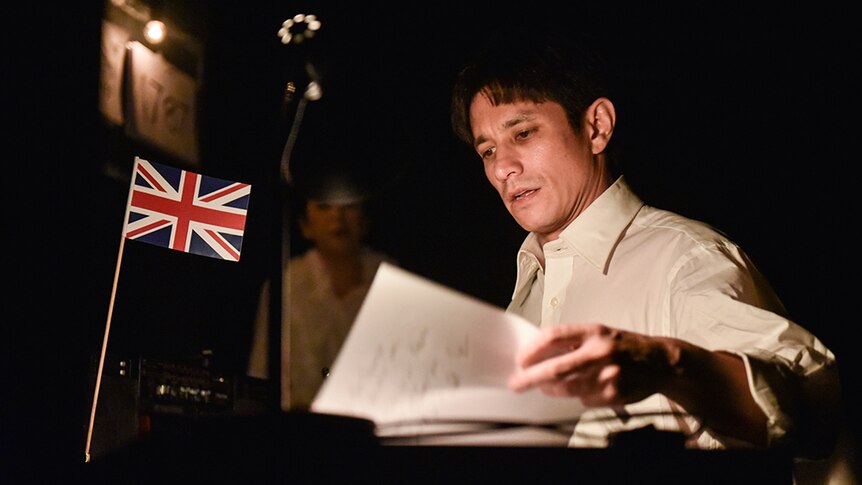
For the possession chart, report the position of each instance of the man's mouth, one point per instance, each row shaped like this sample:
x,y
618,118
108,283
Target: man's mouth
x,y
523,194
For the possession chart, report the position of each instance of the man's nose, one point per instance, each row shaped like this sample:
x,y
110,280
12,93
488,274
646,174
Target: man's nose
x,y
506,164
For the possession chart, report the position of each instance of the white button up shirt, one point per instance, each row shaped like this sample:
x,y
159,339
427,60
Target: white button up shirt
x,y
627,265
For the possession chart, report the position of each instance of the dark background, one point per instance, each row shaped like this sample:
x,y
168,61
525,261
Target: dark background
x,y
744,117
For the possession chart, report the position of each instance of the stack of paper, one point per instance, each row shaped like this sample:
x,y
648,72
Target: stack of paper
x,y
429,365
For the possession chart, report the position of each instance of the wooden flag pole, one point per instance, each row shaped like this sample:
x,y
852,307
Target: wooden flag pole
x,y
110,314
104,350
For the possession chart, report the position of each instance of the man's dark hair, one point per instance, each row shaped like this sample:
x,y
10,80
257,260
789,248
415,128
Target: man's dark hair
x,y
534,66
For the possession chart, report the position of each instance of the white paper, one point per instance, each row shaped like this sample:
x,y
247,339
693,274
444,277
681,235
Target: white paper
x,y
419,351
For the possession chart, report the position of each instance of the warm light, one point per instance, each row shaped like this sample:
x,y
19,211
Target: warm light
x,y
298,28
155,31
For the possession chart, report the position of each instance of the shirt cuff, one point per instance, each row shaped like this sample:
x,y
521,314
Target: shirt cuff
x,y
775,390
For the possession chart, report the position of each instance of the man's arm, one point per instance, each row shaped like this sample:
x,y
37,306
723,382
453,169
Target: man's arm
x,y
604,366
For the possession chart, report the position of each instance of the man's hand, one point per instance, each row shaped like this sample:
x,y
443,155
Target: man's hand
x,y
605,366
600,365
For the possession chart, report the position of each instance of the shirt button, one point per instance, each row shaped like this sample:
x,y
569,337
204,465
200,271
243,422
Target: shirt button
x,y
554,302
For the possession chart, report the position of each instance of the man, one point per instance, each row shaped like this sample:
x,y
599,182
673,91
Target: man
x,y
647,317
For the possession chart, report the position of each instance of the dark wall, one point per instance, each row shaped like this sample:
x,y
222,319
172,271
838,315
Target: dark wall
x,y
742,117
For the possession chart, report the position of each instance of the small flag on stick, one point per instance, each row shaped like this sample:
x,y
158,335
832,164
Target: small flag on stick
x,y
180,210
185,211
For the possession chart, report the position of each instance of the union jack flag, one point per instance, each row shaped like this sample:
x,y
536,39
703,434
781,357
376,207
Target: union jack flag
x,y
185,211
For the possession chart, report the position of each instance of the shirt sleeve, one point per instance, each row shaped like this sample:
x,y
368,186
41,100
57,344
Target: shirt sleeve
x,y
719,300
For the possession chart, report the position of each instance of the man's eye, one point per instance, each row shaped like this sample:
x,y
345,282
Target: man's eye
x,y
488,152
524,134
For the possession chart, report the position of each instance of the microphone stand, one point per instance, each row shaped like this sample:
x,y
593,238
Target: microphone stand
x,y
294,32
315,428
279,304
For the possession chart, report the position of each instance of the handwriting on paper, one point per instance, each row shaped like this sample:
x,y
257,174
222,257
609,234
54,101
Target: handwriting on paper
x,y
419,350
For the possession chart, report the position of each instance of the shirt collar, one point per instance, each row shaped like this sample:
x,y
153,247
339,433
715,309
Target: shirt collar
x,y
596,231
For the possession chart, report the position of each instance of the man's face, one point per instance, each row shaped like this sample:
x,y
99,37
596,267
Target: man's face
x,y
543,170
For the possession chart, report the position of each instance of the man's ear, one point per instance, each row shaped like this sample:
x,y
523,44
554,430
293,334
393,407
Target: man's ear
x,y
601,117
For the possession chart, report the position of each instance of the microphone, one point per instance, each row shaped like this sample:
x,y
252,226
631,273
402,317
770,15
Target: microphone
x,y
296,31
313,91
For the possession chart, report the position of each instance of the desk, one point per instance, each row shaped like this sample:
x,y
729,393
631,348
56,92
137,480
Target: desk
x,y
328,449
